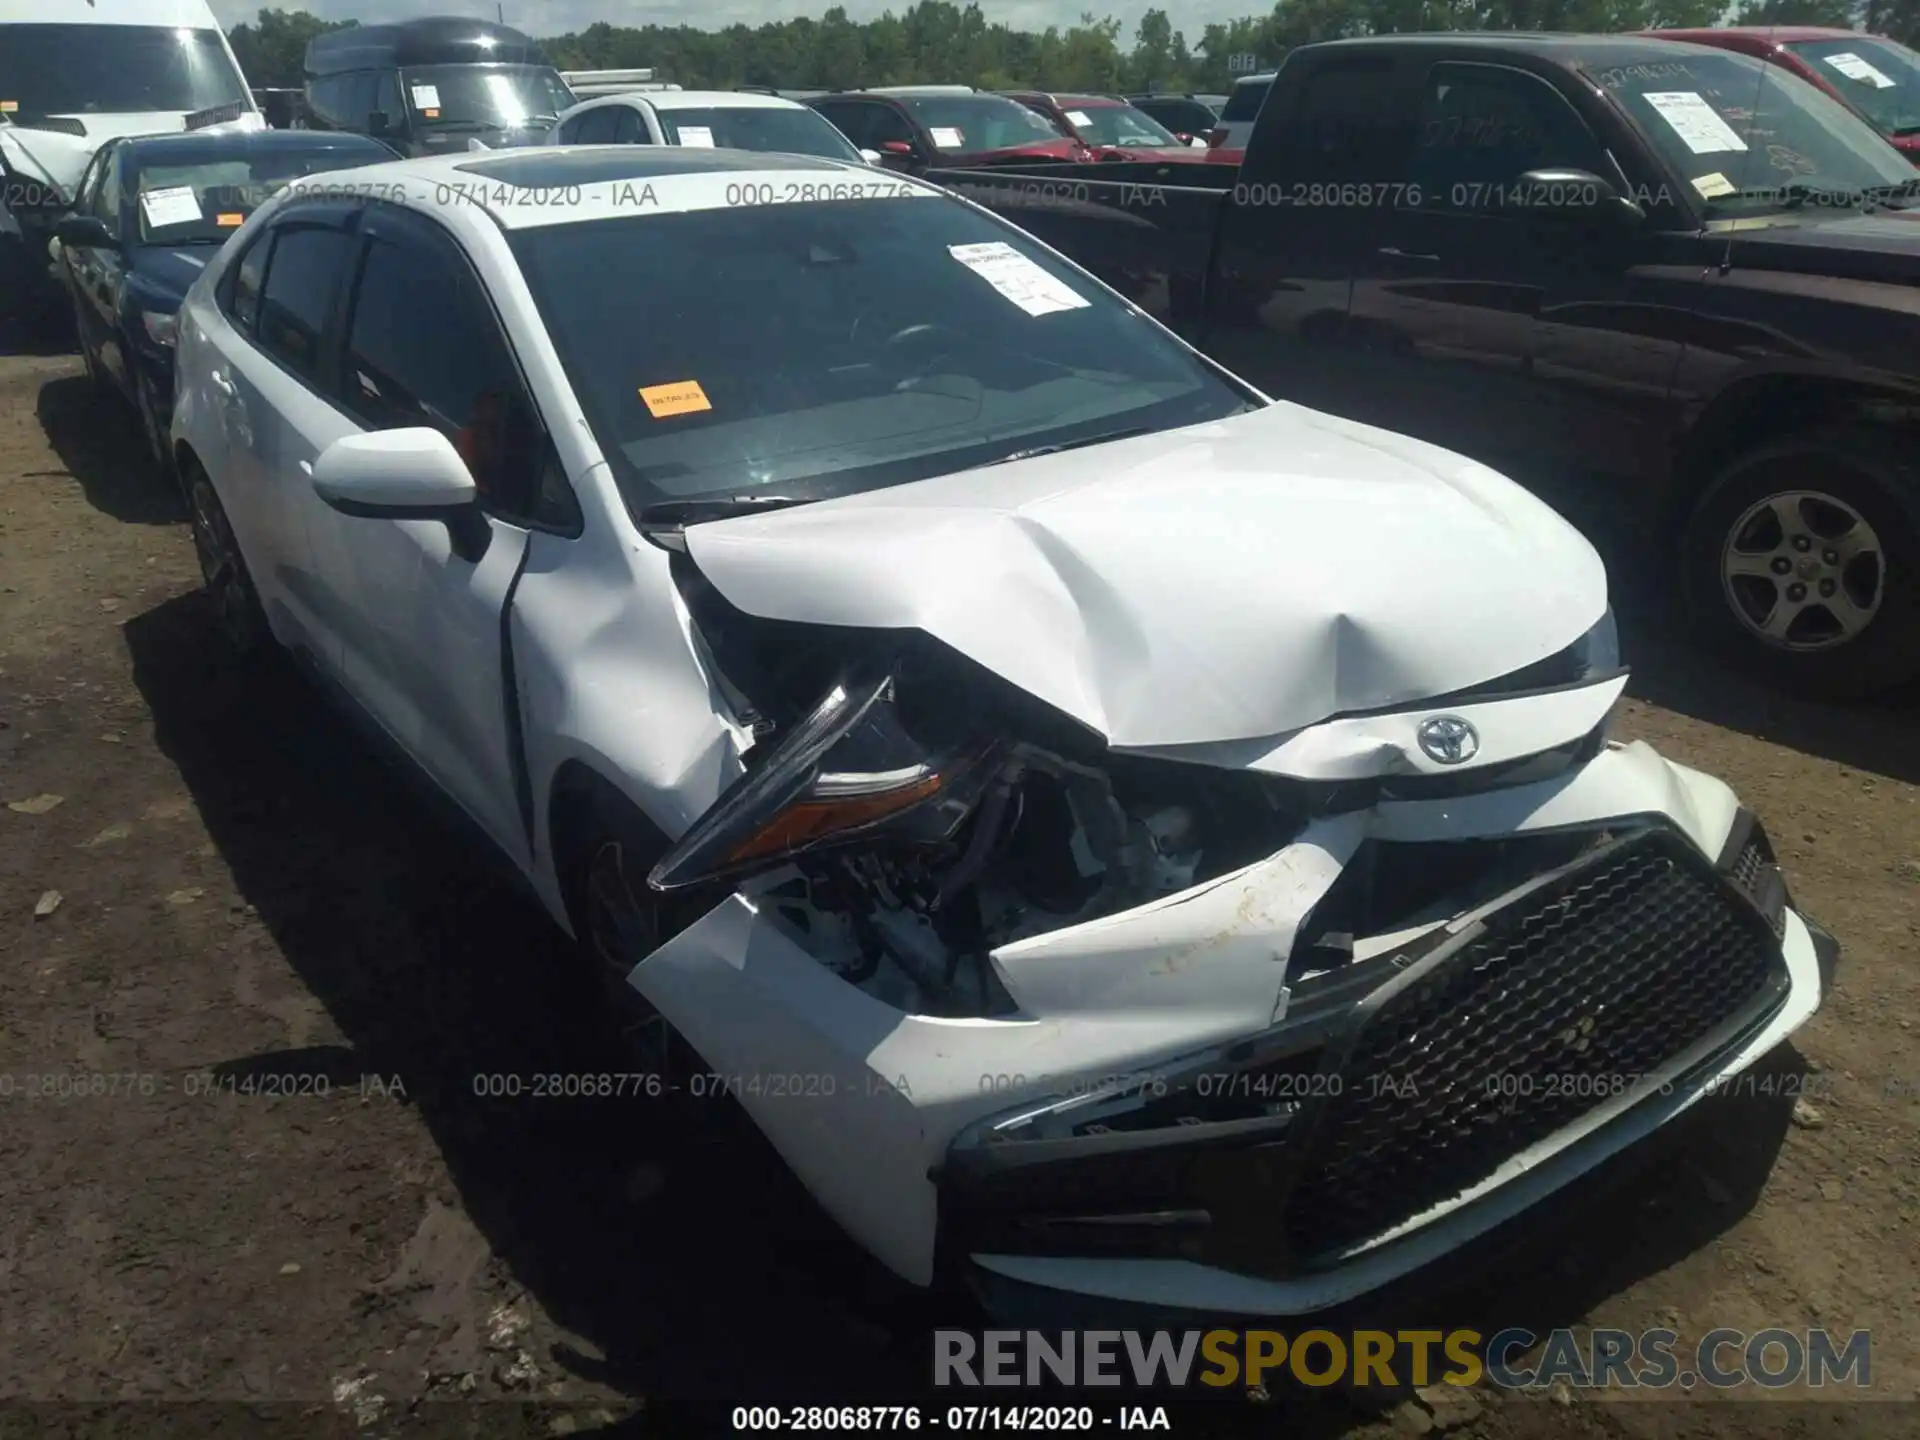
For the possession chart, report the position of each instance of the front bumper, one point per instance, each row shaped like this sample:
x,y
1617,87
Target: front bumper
x,y
882,1114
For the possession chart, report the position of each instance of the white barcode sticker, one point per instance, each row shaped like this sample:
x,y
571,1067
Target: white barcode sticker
x,y
947,138
1854,68
1697,123
174,205
426,97
1017,277
698,136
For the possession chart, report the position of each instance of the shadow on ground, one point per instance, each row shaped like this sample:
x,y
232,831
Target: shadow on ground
x,y
728,1283
97,437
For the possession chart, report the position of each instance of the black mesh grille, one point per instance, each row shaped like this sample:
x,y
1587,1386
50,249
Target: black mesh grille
x,y
1610,969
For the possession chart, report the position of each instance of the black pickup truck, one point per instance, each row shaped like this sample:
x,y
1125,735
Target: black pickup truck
x,y
1661,269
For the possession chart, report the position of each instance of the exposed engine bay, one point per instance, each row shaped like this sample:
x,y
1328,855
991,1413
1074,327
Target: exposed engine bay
x,y
925,813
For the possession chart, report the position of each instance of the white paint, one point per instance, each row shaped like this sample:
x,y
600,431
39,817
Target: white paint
x,y
1015,276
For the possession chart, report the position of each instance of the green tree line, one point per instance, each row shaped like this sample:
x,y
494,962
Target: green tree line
x,y
935,41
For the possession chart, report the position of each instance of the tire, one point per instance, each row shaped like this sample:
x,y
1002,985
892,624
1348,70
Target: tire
x,y
224,571
618,921
1801,563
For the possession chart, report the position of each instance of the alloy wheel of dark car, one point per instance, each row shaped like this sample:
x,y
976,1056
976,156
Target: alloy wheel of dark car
x,y
223,569
1800,562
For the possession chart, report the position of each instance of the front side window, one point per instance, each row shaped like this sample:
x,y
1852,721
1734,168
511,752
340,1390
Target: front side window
x,y
303,275
1481,126
793,132
484,97
423,349
827,348
1750,139
243,290
979,122
1877,77
108,191
114,70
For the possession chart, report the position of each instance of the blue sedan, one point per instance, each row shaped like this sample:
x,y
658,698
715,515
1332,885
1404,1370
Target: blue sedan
x,y
148,214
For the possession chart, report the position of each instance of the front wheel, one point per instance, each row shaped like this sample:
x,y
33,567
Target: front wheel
x,y
1801,563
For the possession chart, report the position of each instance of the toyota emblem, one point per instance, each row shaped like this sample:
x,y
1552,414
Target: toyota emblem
x,y
1448,740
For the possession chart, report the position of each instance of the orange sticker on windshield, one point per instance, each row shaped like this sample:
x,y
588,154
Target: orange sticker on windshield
x,y
682,397
9,106
227,221
430,114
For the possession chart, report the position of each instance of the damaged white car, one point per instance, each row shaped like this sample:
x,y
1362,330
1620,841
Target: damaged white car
x,y
1121,838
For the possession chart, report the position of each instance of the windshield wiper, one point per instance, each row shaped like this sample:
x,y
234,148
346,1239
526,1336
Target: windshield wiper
x,y
665,521
1081,444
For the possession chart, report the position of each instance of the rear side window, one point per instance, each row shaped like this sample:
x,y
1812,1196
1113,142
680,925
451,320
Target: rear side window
x,y
1245,101
628,130
244,290
598,127
303,276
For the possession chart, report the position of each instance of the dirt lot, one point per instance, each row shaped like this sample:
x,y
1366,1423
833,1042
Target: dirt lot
x,y
247,900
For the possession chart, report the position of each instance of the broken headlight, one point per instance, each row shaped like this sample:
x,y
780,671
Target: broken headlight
x,y
848,771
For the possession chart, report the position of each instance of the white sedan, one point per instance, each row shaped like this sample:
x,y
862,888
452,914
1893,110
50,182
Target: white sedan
x,y
1123,839
706,120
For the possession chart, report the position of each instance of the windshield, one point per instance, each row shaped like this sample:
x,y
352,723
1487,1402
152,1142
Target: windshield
x,y
819,349
113,70
1748,138
494,97
207,200
792,132
979,122
1877,77
1116,125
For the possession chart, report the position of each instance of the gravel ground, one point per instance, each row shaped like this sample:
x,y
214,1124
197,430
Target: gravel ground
x,y
240,899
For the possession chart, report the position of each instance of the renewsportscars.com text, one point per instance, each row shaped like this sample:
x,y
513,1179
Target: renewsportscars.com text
x,y
1512,1359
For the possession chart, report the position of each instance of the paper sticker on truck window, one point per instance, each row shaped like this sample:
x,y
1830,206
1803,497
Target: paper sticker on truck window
x,y
174,205
698,136
681,397
1698,125
948,138
7,107
1079,117
1712,185
1854,68
426,97
228,219
1017,278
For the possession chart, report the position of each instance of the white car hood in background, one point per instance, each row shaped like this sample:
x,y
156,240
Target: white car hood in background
x,y
1227,581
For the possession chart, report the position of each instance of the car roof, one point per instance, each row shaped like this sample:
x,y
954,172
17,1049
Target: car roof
x,y
1781,33
716,100
589,179
186,147
1547,45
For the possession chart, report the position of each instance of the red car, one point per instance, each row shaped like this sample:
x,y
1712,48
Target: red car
x,y
915,127
1878,79
1110,128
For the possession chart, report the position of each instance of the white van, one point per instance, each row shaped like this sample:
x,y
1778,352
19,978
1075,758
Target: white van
x,y
74,73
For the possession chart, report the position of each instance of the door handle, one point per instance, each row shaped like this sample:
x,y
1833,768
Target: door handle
x,y
1394,252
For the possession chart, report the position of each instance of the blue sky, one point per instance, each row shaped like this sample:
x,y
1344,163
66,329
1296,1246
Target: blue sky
x,y
554,17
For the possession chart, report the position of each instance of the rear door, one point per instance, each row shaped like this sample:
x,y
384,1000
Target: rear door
x,y
274,389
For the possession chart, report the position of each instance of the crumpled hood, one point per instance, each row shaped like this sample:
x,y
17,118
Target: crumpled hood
x,y
61,158
1226,581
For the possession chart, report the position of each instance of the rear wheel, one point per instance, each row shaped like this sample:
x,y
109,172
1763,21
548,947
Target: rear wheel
x,y
224,570
1802,563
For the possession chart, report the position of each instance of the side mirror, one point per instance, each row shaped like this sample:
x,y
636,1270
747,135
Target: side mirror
x,y
896,147
84,232
872,157
410,474
1576,195
377,122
